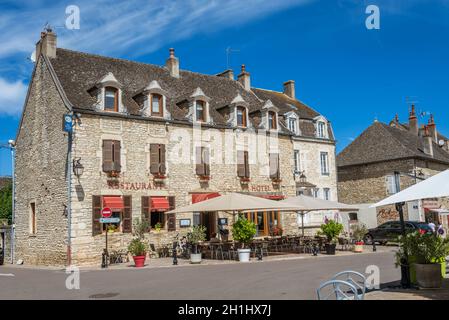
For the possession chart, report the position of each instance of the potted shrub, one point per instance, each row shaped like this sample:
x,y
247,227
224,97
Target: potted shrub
x,y
244,231
358,233
158,227
331,230
194,237
138,246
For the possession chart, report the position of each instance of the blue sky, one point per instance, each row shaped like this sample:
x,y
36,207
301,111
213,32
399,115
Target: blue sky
x,y
350,74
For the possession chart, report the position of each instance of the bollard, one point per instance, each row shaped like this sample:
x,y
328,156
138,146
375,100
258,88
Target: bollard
x,y
175,254
315,250
104,259
374,246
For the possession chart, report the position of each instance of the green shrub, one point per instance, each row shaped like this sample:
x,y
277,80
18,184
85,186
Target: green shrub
x,y
243,231
197,235
359,231
331,230
425,248
137,247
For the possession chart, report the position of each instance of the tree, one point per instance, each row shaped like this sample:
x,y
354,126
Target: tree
x,y
6,202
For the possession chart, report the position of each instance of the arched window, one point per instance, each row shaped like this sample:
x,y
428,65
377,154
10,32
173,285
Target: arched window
x,y
157,106
241,117
272,121
200,110
111,99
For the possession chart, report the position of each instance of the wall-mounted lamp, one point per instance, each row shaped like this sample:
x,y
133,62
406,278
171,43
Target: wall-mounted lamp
x,y
78,168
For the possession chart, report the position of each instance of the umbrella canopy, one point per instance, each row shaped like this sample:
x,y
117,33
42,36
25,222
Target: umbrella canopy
x,y
436,186
235,202
306,203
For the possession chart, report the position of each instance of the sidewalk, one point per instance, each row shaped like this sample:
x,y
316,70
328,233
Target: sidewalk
x,y
411,294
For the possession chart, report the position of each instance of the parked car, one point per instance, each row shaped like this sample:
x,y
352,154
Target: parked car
x,y
389,231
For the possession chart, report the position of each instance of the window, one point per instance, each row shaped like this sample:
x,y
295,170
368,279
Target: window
x,y
121,207
202,161
293,124
272,121
296,160
196,219
157,159
157,107
32,218
110,99
200,111
391,185
321,132
241,116
316,192
242,164
327,193
274,165
154,212
111,156
324,160
353,216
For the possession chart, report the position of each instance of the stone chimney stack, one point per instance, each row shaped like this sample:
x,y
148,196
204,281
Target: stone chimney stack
x,y
172,64
227,74
413,121
427,142
244,79
432,129
47,44
289,88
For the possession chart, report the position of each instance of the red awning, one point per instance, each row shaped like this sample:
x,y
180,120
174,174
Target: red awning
x,y
159,203
113,202
198,197
272,196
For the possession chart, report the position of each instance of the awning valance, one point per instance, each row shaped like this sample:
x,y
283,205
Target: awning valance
x,y
113,202
159,204
204,196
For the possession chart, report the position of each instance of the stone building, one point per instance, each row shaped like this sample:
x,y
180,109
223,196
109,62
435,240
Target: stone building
x,y
367,167
150,138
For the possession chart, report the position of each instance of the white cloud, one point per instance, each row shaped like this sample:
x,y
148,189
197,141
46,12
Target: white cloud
x,y
12,96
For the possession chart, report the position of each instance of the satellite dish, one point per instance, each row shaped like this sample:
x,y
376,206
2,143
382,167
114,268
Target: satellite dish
x,y
441,142
33,56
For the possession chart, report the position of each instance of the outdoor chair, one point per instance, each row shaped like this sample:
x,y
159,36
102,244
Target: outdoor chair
x,y
357,279
344,243
264,248
337,290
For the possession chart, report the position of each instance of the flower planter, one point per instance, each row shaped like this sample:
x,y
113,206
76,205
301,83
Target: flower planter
x,y
195,258
244,254
139,261
358,247
428,275
330,248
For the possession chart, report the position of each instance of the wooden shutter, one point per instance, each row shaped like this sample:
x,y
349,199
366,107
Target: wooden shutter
x,y
199,161
127,225
146,211
171,217
206,152
96,215
240,163
162,165
154,158
274,165
107,155
246,158
117,161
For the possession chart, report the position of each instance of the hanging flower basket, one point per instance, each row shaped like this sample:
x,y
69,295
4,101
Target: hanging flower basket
x,y
204,178
159,178
113,174
245,180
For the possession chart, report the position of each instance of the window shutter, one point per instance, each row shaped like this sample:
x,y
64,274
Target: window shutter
x,y
127,215
117,162
206,161
163,168
146,211
96,215
107,155
240,163
246,156
274,165
199,162
171,217
154,158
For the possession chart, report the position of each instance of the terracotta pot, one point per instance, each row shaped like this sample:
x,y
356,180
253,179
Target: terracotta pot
x,y
428,275
358,248
139,261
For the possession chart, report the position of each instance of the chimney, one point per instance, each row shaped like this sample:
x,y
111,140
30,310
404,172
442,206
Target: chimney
x,y
227,74
427,142
244,79
432,129
413,121
47,44
172,64
289,88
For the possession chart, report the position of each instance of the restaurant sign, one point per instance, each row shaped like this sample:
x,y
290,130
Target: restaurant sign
x,y
134,185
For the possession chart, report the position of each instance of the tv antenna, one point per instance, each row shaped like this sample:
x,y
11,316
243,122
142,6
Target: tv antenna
x,y
229,51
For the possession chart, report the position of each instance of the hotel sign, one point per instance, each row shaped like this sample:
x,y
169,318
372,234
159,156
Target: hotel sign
x,y
136,186
260,188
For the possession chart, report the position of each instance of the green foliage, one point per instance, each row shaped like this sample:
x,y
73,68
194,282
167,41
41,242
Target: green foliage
x,y
140,227
138,247
331,230
243,230
158,226
197,235
426,248
6,202
359,231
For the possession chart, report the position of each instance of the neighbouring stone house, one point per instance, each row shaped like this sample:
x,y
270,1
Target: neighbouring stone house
x,y
150,138
367,167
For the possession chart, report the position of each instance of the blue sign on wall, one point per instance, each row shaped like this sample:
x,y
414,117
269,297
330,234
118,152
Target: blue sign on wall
x,y
67,123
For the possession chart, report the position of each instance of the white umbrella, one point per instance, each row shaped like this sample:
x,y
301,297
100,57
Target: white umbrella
x,y
436,186
235,202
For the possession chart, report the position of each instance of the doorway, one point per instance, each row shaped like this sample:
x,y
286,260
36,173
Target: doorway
x,y
210,221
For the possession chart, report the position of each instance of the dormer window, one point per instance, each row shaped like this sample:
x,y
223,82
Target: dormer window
x,y
321,129
272,120
241,117
111,99
157,105
200,110
293,125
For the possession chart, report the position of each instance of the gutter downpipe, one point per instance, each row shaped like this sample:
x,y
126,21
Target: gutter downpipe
x,y
13,165
69,199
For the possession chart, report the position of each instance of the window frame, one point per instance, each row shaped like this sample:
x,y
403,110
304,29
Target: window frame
x,y
116,97
244,123
294,120
321,129
297,160
161,105
32,219
272,123
204,110
325,170
327,194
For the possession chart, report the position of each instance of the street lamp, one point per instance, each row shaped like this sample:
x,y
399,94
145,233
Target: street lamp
x,y
78,168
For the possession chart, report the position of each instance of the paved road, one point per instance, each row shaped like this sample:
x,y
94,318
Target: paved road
x,y
287,279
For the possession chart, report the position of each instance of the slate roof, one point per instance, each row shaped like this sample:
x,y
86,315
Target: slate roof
x,y
381,142
80,72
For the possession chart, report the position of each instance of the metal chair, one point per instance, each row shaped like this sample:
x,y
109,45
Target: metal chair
x,y
337,290
355,278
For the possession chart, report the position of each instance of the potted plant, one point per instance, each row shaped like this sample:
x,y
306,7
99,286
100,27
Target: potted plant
x,y
112,228
194,237
138,246
276,231
158,227
244,231
358,233
331,229
204,178
159,178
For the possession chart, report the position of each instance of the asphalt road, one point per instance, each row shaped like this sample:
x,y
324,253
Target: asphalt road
x,y
287,279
